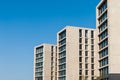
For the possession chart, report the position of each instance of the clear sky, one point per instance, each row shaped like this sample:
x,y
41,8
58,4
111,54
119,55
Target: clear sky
x,y
27,23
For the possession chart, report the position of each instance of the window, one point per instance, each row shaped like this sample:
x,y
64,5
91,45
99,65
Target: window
x,y
86,66
102,7
39,60
39,69
39,55
61,73
104,62
62,35
63,60
92,72
92,47
38,73
102,18
103,53
92,66
92,60
80,53
86,41
103,26
62,78
104,71
80,33
62,42
80,46
62,48
92,53
51,77
80,59
80,78
62,54
92,34
86,53
39,78
86,72
103,35
86,33
86,47
92,78
80,40
92,41
63,66
39,49
103,44
80,72
86,59
39,64
52,58
80,65
86,77
52,48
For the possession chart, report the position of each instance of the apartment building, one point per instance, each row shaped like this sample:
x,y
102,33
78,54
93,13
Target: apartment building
x,y
77,56
108,30
45,62
83,53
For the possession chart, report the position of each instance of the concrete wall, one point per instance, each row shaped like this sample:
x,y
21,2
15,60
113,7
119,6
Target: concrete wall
x,y
47,62
72,53
114,33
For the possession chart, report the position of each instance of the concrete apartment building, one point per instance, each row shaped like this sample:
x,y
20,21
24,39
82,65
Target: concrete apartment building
x,y
77,56
45,65
83,53
108,30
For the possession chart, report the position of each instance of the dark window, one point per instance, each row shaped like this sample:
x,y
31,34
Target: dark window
x,y
80,53
86,72
92,66
86,33
80,59
62,35
92,34
86,66
80,72
80,40
80,46
92,60
86,53
80,33
92,47
102,7
86,40
92,41
92,72
80,65
92,53
86,59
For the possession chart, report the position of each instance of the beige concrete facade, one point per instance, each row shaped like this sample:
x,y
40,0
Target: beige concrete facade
x,y
109,16
45,65
77,54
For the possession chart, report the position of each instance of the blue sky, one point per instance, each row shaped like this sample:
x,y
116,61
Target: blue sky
x,y
27,23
